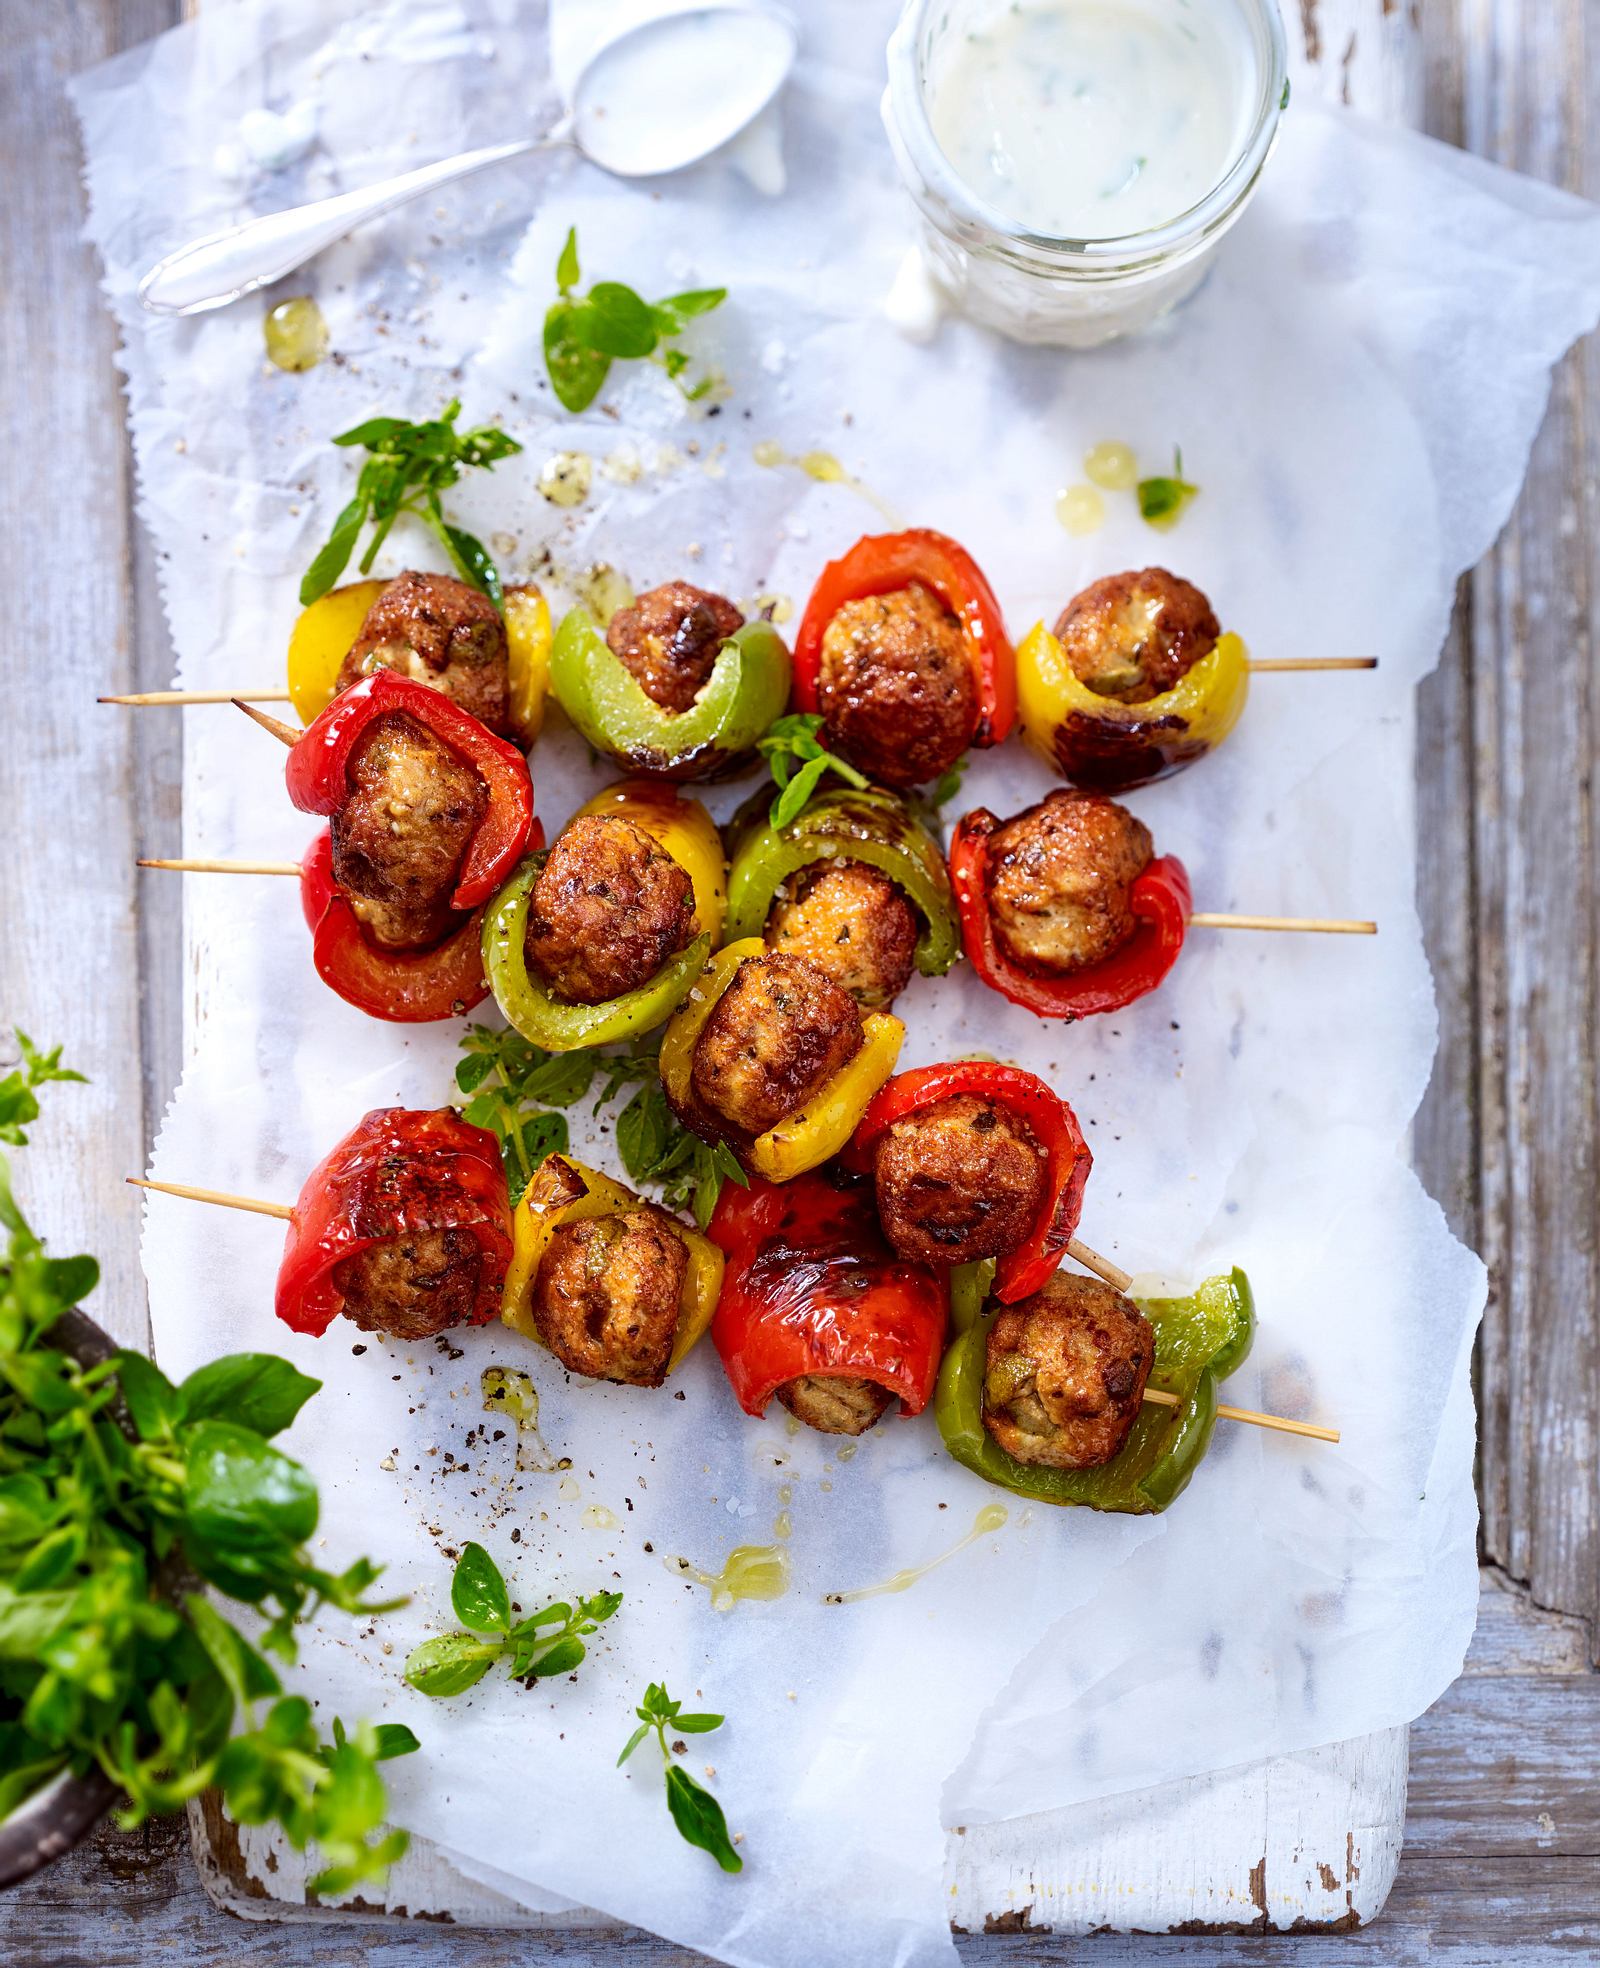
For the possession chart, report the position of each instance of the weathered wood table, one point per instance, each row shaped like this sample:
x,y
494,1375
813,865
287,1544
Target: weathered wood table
x,y
1502,1855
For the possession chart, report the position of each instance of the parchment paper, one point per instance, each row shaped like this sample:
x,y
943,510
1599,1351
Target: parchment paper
x,y
1355,390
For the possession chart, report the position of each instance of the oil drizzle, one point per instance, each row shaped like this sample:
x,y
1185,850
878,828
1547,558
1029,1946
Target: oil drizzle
x,y
567,477
990,1518
509,1392
296,334
750,1571
598,1518
825,469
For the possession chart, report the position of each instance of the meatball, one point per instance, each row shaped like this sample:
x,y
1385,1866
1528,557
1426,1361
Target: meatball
x,y
1133,636
607,1295
896,685
778,1033
610,907
413,1287
1058,880
855,925
1065,1373
669,639
399,838
958,1180
439,631
835,1404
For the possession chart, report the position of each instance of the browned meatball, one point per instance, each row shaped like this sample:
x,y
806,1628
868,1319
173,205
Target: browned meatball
x,y
1133,636
778,1033
896,685
439,631
1065,1373
1058,880
399,839
854,924
610,907
607,1295
669,639
835,1404
959,1180
413,1287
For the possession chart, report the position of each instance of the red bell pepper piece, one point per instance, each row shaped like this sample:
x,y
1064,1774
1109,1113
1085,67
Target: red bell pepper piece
x,y
318,777
812,1288
1160,898
407,987
400,1171
884,561
1051,1122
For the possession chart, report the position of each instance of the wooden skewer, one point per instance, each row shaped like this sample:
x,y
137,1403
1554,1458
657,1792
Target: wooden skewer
x,y
287,732
226,867
1102,1267
1317,925
199,697
1313,663
1089,1258
1281,1423
220,1196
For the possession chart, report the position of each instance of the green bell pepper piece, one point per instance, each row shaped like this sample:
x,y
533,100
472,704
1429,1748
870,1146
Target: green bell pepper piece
x,y
748,687
555,1023
1200,1340
842,825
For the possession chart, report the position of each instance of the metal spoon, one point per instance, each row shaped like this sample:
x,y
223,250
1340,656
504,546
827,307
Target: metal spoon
x,y
660,95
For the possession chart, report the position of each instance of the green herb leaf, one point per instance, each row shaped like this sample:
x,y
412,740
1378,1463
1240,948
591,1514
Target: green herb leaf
x,y
478,1592
450,1664
699,1819
1162,500
242,1492
793,748
584,335
254,1390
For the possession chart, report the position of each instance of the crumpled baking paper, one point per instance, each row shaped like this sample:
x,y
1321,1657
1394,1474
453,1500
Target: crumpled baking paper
x,y
1355,390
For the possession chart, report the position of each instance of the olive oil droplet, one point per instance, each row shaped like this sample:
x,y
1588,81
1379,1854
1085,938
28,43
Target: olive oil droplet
x,y
567,477
598,1518
1081,510
1111,466
296,334
750,1571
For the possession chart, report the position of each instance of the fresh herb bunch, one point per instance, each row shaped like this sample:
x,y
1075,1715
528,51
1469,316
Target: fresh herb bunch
x,y
408,467
108,1656
514,1086
695,1812
547,1642
793,748
1162,500
585,334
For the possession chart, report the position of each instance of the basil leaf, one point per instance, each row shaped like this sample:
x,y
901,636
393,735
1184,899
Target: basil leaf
x,y
334,556
614,321
567,271
559,1655
376,432
254,1390
392,1739
478,1592
577,372
451,1664
697,1725
633,1743
697,301
153,1401
241,1494
699,1819
791,800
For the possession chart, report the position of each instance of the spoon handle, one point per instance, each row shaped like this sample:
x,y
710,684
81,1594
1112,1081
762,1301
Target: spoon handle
x,y
211,272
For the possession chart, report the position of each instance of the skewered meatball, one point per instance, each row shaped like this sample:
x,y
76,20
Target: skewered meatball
x,y
1065,1373
835,1404
1133,636
958,1180
439,631
399,838
413,1287
896,685
1058,881
778,1033
610,907
855,925
607,1295
669,639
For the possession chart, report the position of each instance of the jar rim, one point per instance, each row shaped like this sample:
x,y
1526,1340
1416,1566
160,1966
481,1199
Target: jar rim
x,y
912,126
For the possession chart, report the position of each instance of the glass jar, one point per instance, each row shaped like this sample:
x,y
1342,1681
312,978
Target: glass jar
x,y
1073,293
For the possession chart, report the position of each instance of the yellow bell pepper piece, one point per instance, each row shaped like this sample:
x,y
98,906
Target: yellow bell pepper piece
x,y
567,1191
800,1141
688,833
528,638
1208,700
320,641
815,1135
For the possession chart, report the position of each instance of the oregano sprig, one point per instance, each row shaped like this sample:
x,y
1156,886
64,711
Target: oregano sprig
x,y
548,1642
695,1812
793,748
585,333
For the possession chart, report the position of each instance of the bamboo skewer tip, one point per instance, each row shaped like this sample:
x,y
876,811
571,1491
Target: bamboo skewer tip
x,y
286,732
202,867
147,697
1292,663
1312,925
